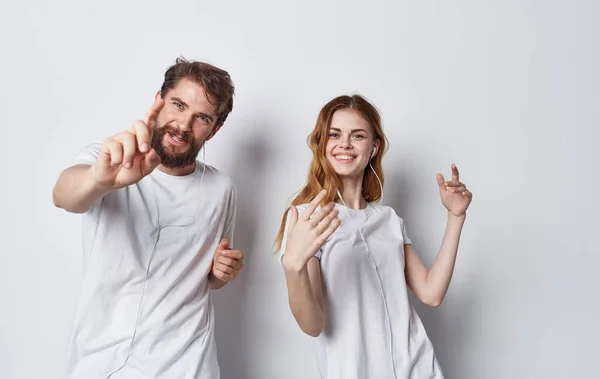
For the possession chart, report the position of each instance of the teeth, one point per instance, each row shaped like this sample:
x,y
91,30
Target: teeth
x,y
176,139
344,157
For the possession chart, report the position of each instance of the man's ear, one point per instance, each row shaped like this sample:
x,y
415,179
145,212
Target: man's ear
x,y
157,95
214,131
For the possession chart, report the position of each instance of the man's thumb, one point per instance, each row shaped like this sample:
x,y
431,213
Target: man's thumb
x,y
224,245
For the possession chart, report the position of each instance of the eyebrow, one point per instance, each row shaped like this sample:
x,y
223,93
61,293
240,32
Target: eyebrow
x,y
174,98
353,130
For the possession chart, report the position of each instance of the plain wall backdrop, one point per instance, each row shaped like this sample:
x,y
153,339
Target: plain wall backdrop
x,y
507,90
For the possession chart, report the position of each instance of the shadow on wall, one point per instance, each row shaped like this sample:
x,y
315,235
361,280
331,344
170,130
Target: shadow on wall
x,y
230,301
448,329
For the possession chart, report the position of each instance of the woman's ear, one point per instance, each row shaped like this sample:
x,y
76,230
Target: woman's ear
x,y
376,145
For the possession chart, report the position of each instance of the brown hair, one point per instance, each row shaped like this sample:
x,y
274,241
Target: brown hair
x,y
216,82
320,173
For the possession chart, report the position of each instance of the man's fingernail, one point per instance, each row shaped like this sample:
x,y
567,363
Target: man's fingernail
x,y
127,164
144,147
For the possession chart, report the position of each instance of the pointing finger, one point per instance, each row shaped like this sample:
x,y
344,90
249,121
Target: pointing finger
x,y
152,114
454,173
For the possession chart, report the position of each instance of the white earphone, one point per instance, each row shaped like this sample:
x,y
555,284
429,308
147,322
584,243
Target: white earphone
x,y
362,237
374,151
159,228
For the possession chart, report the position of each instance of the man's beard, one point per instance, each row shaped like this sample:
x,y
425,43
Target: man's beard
x,y
168,156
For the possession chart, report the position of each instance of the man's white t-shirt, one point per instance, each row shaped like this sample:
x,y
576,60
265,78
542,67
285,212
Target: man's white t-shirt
x,y
371,328
145,308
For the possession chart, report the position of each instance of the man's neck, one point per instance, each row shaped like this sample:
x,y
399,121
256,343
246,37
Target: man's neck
x,y
179,171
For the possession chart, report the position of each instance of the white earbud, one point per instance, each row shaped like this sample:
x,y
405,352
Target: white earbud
x,y
374,151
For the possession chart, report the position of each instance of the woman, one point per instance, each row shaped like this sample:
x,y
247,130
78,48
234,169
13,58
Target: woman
x,y
348,261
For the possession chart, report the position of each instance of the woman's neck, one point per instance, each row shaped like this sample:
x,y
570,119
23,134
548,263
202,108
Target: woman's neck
x,y
352,194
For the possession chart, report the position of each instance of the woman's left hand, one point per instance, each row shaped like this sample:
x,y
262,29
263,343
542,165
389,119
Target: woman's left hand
x,y
455,196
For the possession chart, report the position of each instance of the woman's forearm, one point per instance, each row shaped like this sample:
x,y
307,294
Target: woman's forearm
x,y
302,298
440,274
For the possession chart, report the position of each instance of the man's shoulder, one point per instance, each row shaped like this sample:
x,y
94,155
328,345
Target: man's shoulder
x,y
217,177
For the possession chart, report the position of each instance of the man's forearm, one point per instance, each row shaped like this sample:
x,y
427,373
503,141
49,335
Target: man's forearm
x,y
76,191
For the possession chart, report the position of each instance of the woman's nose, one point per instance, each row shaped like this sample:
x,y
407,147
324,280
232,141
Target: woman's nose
x,y
345,143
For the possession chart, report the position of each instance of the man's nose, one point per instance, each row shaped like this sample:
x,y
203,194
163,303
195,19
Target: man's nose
x,y
184,122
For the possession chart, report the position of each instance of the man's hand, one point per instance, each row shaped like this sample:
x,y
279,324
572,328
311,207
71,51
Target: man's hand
x,y
124,159
127,157
227,263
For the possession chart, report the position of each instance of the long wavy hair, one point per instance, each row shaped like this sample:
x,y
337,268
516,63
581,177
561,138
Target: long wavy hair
x,y
321,175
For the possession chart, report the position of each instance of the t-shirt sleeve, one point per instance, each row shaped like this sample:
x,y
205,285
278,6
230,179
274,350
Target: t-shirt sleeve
x,y
230,218
88,154
405,236
286,229
285,234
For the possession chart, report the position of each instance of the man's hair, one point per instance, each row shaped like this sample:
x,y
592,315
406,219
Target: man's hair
x,y
216,82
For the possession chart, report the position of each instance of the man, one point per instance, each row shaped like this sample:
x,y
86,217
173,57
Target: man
x,y
157,226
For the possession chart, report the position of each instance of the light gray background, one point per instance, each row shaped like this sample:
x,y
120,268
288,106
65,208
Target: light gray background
x,y
508,90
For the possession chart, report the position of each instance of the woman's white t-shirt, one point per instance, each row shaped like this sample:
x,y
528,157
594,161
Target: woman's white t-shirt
x,y
372,329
